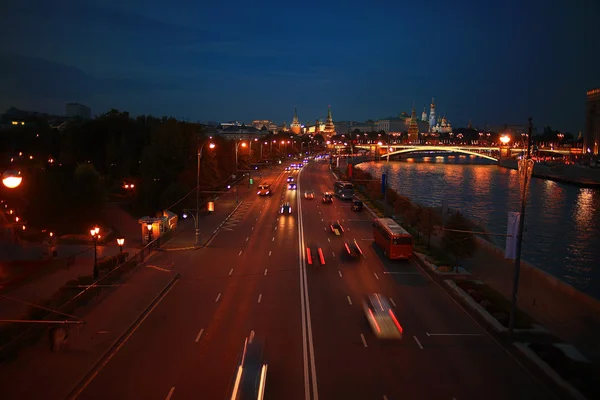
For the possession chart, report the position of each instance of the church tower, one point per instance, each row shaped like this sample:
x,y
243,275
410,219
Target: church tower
x,y
295,126
432,120
329,126
424,115
317,126
413,128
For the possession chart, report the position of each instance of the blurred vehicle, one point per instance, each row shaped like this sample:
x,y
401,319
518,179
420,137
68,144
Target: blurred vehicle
x,y
251,374
309,194
352,248
286,208
264,190
394,240
288,169
292,186
344,190
290,179
336,227
327,198
381,317
357,205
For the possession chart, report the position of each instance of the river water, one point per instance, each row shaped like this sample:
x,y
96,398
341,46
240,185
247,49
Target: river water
x,y
562,222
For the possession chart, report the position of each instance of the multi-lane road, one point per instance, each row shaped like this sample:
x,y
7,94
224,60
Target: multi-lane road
x,y
254,276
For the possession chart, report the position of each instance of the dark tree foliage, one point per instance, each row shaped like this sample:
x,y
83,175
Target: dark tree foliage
x,y
460,244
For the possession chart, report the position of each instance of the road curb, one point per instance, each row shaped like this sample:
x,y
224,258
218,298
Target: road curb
x,y
80,385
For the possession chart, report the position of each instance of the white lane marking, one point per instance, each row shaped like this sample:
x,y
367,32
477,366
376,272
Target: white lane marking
x,y
231,272
272,240
170,393
248,238
349,301
218,297
116,350
453,334
257,219
269,255
252,228
199,335
240,253
321,219
368,239
333,252
329,240
265,271
347,229
362,337
385,397
251,338
374,273
419,343
275,228
340,273
259,297
392,301
401,273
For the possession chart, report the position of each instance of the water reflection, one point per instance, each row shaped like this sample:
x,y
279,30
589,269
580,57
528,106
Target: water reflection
x,y
562,222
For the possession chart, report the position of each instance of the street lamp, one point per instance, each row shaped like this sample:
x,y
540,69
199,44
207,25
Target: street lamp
x,y
504,139
237,145
95,232
197,217
120,243
385,189
11,179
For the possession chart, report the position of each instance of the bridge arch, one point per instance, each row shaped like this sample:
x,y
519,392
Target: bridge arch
x,y
437,148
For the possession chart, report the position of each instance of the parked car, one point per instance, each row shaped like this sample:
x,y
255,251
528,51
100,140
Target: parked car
x,y
357,205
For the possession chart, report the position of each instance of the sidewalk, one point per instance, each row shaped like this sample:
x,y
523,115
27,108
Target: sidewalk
x,y
568,316
12,304
185,237
38,373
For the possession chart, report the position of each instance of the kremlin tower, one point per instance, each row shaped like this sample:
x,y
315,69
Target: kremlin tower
x,y
295,126
329,126
413,128
432,120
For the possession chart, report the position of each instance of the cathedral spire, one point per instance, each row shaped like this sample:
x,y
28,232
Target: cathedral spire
x,y
329,126
295,126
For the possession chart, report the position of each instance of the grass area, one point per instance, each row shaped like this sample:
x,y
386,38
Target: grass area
x,y
15,274
495,304
583,376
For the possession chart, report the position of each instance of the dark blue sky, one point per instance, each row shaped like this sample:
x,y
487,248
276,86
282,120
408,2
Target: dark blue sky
x,y
252,60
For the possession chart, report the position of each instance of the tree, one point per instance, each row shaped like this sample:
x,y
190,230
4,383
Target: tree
x,y
174,192
457,238
428,223
211,174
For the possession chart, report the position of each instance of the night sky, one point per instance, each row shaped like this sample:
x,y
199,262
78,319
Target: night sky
x,y
235,60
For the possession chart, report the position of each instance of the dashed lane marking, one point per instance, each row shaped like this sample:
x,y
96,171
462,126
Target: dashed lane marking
x,y
199,335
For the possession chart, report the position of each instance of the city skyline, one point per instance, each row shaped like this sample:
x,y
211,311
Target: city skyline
x,y
166,63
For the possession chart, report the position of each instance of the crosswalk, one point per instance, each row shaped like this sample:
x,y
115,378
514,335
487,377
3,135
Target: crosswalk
x,y
235,219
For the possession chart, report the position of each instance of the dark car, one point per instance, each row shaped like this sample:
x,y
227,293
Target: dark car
x,y
286,208
352,248
250,376
327,198
290,179
336,227
292,186
357,205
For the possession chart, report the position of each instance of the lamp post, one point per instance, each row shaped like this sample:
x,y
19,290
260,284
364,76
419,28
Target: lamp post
x,y
385,189
95,232
237,145
11,179
197,218
120,243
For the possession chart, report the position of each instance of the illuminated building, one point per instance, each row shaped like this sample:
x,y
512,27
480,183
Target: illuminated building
x,y
591,135
432,119
295,126
329,126
413,127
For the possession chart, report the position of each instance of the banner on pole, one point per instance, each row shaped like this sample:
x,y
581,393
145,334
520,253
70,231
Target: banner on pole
x,y
512,230
383,183
525,172
350,170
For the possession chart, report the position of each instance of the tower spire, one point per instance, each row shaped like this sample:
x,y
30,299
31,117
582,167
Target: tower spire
x,y
329,126
295,126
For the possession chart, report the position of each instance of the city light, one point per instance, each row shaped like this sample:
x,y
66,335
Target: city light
x,y
12,179
505,139
212,146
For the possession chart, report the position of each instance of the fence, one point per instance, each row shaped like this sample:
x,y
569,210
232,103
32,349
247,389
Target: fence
x,y
72,299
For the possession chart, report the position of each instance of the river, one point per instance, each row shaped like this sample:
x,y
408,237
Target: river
x,y
562,222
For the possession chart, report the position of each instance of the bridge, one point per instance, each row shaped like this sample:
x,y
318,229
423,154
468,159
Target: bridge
x,y
487,152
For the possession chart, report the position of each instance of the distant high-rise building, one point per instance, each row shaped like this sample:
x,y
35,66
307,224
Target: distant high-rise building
x,y
413,128
591,135
76,110
329,126
295,126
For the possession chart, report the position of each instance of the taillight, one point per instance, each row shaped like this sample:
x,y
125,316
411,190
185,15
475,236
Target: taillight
x,y
395,321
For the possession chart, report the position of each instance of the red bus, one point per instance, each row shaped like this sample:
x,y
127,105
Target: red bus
x,y
395,241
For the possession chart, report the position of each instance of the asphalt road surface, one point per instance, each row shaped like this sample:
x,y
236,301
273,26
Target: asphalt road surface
x,y
254,279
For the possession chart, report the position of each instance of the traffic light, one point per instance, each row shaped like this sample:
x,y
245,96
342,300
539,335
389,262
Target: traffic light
x,y
251,181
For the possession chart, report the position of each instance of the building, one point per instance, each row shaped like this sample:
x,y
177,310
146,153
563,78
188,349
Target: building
x,y
391,125
259,123
241,132
367,127
76,110
413,128
329,126
443,126
432,120
591,135
295,126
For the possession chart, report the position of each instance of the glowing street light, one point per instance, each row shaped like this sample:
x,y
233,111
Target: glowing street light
x,y
505,139
120,243
11,179
95,236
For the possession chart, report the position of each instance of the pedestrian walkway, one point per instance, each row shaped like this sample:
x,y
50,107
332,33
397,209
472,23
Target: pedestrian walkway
x,y
568,316
37,373
225,205
15,304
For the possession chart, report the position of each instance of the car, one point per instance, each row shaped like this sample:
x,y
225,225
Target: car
x,y
264,190
290,179
288,169
309,195
292,186
286,208
357,205
336,227
381,317
250,376
352,248
327,198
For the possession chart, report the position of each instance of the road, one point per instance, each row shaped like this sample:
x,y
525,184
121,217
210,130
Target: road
x,y
253,276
